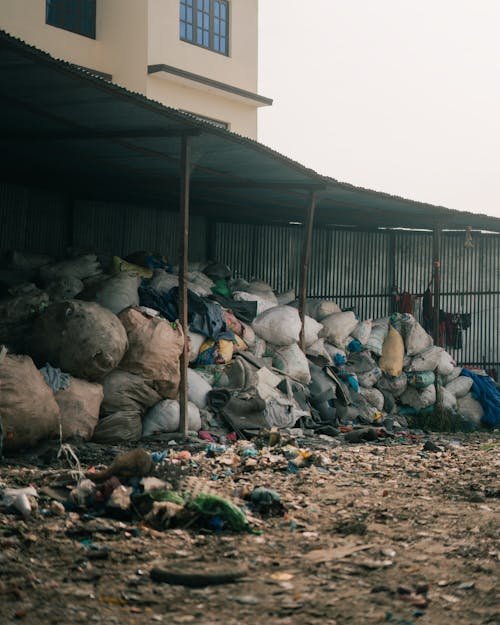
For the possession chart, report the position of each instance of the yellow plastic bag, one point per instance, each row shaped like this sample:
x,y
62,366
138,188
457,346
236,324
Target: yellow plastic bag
x,y
122,265
393,352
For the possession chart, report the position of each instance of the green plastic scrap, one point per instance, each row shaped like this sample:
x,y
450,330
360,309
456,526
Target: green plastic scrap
x,y
213,505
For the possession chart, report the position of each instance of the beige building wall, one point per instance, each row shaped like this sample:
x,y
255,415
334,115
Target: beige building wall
x,y
238,69
25,19
134,34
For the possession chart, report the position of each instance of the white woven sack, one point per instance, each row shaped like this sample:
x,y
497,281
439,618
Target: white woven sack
x,y
196,340
446,364
362,331
373,396
470,408
445,399
452,376
419,399
369,379
312,329
279,325
380,328
165,417
460,386
198,389
416,338
292,361
427,360
338,326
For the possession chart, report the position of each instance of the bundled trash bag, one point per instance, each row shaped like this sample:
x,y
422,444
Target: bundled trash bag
x,y
370,378
119,264
396,386
393,351
119,291
419,399
375,342
427,360
64,289
360,362
446,364
374,397
445,399
81,338
446,379
362,331
279,325
421,379
262,304
196,340
28,410
124,392
163,281
165,417
17,313
249,412
155,347
198,389
26,261
318,353
262,289
338,326
217,271
322,391
460,386
415,337
319,309
79,406
471,409
82,267
292,361
124,426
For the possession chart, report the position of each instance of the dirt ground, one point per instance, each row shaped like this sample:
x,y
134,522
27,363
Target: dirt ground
x,y
380,532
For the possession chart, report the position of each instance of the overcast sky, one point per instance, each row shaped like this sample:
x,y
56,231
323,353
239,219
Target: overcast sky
x,y
401,96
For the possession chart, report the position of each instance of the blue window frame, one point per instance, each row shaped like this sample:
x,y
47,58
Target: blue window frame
x,y
77,16
205,23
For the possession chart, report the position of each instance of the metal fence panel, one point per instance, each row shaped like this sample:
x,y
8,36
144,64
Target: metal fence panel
x,y
360,269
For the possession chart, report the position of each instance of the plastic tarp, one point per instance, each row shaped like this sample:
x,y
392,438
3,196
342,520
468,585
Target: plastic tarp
x,y
487,394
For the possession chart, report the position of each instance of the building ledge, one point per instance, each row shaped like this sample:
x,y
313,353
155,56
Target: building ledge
x,y
210,84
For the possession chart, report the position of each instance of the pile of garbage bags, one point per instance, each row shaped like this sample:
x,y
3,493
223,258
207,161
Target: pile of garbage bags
x,y
91,351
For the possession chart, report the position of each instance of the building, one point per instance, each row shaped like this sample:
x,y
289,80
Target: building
x,y
199,56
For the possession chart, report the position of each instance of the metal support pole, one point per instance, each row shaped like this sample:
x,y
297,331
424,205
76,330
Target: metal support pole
x,y
304,264
183,268
436,278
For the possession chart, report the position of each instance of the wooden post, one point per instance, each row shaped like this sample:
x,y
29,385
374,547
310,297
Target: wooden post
x,y
436,275
183,268
304,265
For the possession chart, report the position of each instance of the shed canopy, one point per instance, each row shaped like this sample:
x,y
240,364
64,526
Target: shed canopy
x,y
64,128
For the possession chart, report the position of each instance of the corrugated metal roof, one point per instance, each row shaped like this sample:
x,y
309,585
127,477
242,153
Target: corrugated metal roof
x,y
65,128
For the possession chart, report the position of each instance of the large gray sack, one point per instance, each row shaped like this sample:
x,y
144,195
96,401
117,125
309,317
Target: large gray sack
x,y
124,391
81,338
120,427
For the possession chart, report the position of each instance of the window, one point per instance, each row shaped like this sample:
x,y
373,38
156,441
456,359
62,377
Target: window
x,y
78,16
206,23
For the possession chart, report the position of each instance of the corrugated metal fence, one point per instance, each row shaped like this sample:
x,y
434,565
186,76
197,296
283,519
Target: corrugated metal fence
x,y
360,269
